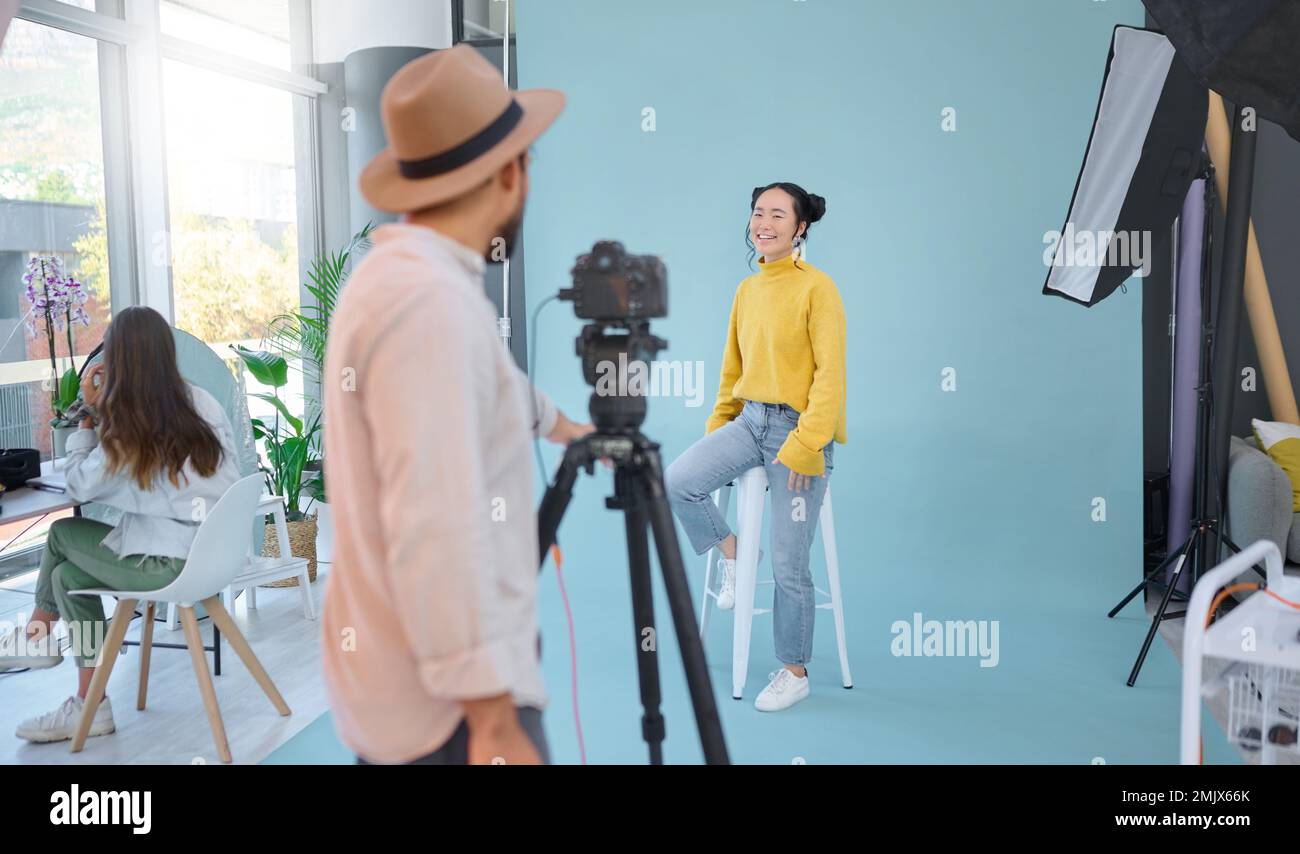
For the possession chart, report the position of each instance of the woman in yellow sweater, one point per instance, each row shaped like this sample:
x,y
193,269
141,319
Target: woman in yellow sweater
x,y
780,405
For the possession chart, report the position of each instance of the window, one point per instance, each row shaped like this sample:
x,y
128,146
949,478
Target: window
x,y
256,30
233,203
132,126
104,7
483,19
52,203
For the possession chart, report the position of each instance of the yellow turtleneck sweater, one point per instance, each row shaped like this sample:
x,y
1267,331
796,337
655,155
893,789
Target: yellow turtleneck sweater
x,y
785,344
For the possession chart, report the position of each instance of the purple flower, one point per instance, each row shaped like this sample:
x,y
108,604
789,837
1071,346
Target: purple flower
x,y
55,298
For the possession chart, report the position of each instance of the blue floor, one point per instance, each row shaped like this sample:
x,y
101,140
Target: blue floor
x,y
1057,694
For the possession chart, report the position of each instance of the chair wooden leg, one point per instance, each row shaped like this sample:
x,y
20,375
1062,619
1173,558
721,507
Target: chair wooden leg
x,y
108,653
146,647
200,659
223,621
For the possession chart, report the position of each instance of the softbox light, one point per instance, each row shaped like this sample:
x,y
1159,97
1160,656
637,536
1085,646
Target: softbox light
x,y
1245,50
1142,154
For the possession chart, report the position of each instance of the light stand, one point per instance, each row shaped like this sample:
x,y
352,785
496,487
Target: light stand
x,y
1211,423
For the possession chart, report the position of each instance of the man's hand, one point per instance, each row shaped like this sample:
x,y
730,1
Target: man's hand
x,y
495,736
566,431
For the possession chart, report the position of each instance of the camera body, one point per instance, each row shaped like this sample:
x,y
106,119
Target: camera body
x,y
618,293
609,285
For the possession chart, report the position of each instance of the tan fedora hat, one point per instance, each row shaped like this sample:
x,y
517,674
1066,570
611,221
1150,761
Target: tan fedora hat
x,y
450,123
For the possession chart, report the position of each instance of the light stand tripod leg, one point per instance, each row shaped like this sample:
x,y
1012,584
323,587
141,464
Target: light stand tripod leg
x,y
1259,568
679,603
643,617
1164,564
1192,543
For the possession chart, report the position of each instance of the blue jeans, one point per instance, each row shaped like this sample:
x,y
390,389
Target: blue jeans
x,y
753,439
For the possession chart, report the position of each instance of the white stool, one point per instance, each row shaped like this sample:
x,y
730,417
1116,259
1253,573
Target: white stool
x,y
749,531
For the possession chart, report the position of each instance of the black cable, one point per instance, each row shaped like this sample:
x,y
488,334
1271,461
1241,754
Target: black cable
x,y
6,546
532,393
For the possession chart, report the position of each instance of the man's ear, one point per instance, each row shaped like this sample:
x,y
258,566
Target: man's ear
x,y
510,175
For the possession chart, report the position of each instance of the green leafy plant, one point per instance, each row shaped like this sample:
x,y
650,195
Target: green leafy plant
x,y
290,442
302,336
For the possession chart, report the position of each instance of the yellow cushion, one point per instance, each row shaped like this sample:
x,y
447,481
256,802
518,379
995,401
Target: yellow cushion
x,y
1281,441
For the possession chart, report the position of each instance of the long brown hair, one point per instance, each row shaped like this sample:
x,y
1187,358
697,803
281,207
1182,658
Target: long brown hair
x,y
147,423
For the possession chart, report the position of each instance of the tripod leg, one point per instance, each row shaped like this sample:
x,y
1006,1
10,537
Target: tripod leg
x,y
1164,604
643,619
1259,568
1164,564
556,499
679,603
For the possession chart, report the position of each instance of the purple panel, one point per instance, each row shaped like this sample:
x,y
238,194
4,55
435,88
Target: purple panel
x,y
1187,348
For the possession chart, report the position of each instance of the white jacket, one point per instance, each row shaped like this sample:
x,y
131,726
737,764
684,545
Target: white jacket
x,y
162,520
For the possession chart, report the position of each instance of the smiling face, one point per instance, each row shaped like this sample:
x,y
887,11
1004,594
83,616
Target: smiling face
x,y
773,224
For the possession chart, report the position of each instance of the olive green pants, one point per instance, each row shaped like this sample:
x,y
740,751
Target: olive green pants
x,y
75,560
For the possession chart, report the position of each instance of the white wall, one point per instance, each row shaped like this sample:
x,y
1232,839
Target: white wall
x,y
343,26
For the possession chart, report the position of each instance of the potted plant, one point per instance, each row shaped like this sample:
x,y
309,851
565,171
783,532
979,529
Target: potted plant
x,y
289,443
301,337
57,304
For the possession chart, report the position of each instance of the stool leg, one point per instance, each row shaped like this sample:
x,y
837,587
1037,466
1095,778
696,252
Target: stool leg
x,y
827,520
749,532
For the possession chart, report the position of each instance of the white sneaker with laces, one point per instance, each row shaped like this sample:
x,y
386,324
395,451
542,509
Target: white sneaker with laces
x,y
17,652
61,724
783,691
727,590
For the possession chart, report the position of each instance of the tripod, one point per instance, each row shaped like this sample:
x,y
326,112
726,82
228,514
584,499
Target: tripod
x,y
1205,526
639,493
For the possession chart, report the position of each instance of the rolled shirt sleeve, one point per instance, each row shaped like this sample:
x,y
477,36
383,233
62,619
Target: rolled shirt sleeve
x,y
728,406
435,504
541,409
802,450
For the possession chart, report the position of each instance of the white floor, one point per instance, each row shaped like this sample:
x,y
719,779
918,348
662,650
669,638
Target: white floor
x,y
173,729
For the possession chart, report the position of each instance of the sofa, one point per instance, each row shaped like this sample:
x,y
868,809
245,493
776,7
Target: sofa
x,y
1260,500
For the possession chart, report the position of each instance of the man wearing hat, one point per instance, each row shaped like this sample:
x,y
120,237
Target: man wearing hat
x,y
430,619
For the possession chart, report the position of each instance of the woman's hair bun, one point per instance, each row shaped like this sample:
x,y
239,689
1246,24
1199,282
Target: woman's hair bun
x,y
818,207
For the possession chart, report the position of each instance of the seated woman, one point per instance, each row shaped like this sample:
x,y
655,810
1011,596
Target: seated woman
x,y
160,450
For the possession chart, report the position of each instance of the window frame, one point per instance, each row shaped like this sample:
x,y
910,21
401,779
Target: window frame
x,y
133,129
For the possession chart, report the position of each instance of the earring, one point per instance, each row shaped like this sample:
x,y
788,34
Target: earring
x,y
797,251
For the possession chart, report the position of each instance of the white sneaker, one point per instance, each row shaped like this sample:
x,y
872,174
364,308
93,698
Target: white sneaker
x,y
17,652
783,691
727,591
61,724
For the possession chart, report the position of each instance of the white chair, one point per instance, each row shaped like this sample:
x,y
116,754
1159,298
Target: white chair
x,y
220,549
259,569
749,530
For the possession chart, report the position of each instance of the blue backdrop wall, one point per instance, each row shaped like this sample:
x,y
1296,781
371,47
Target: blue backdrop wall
x,y
973,503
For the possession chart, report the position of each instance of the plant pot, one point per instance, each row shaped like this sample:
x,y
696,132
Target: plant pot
x,y
302,543
59,441
324,533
